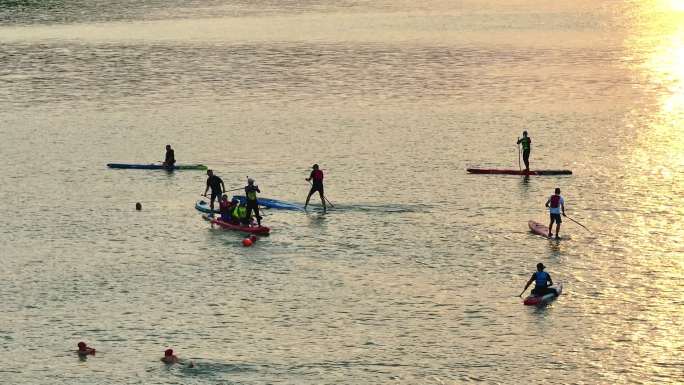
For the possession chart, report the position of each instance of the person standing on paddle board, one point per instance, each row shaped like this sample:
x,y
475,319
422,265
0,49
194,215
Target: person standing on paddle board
x,y
316,179
526,147
542,281
170,158
252,203
555,203
217,188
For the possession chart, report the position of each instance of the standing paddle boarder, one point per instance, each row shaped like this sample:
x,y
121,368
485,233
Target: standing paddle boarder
x,y
526,147
316,179
170,158
252,203
217,188
555,203
542,281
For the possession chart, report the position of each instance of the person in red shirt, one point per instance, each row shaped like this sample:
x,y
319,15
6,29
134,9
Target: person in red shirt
x,y
316,179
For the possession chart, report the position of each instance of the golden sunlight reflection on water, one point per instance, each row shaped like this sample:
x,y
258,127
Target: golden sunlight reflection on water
x,y
657,162
659,151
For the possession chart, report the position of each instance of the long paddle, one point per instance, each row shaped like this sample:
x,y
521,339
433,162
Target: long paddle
x,y
519,166
585,227
324,197
235,189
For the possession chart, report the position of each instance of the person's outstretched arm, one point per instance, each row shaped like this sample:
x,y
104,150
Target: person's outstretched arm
x,y
527,285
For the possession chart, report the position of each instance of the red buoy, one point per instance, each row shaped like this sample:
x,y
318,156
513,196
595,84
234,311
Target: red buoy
x,y
246,242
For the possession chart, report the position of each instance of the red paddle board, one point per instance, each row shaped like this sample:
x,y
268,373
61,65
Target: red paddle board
x,y
539,229
539,300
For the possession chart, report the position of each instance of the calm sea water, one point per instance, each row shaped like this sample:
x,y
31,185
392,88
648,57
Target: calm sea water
x,y
413,277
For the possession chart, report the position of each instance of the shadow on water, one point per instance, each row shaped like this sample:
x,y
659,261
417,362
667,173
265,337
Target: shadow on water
x,y
378,208
525,181
211,370
555,248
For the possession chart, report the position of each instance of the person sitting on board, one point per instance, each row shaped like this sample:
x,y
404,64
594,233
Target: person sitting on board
x,y
225,208
555,203
526,147
542,282
217,188
170,158
316,179
252,203
85,350
239,213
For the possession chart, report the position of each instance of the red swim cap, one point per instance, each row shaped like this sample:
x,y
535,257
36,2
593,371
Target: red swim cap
x,y
168,352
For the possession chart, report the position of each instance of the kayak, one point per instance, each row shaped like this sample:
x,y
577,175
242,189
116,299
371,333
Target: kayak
x,y
538,228
156,166
518,172
539,300
263,230
271,203
203,206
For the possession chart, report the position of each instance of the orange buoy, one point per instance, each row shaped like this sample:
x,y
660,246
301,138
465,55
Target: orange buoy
x,y
247,242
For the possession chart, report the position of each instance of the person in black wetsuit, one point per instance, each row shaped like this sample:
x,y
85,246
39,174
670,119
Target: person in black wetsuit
x,y
251,191
542,282
170,158
217,188
526,147
316,179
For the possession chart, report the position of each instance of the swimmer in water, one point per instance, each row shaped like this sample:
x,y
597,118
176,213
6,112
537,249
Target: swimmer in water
x,y
170,359
85,350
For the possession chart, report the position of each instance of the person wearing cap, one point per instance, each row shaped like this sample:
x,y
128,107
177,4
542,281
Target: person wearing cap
x,y
251,202
217,188
85,350
316,179
526,147
542,282
556,205
170,158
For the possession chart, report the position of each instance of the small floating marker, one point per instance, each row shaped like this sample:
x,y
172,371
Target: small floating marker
x,y
247,242
138,206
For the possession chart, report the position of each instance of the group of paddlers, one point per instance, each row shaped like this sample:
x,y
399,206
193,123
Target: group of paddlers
x,y
239,212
